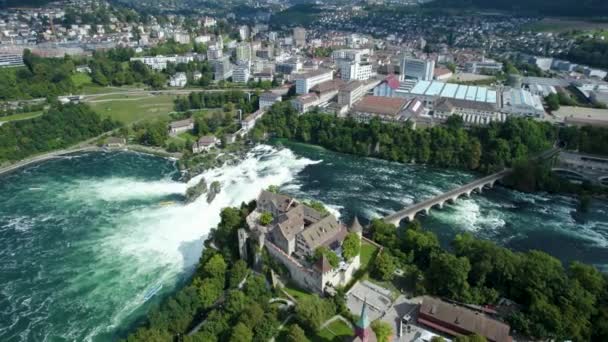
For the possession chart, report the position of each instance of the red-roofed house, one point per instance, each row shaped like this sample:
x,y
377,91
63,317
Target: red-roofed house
x,y
388,86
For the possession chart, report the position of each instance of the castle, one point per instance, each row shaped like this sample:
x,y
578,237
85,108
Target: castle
x,y
291,232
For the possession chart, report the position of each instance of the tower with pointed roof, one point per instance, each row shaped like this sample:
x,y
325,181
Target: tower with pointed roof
x,y
356,227
363,331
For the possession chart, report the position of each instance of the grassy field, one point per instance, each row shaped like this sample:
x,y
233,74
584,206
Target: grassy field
x,y
335,332
20,116
80,79
368,251
296,292
564,25
132,108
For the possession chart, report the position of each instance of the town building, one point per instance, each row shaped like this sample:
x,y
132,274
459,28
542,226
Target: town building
x,y
387,87
442,74
181,37
520,102
472,112
268,98
486,66
387,109
10,60
292,237
455,320
181,126
205,144
305,81
243,52
306,102
241,72
222,68
214,52
350,93
249,122
244,32
178,80
355,71
430,92
299,36
419,69
115,142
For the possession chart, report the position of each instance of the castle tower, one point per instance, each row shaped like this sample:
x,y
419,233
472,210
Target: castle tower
x,y
356,227
362,329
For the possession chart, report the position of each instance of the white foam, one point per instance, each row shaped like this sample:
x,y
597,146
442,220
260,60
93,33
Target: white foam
x,y
124,189
151,241
467,215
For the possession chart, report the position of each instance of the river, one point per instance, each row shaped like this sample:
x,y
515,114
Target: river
x,y
85,237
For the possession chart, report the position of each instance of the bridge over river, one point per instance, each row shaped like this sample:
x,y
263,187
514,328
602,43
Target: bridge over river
x,y
451,196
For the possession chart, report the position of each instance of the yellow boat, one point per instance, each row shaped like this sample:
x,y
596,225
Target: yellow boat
x,y
166,203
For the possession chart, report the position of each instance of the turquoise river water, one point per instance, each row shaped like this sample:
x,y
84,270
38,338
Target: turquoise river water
x,y
85,237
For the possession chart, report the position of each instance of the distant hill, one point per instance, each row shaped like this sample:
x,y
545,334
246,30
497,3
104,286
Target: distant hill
x,y
23,3
571,8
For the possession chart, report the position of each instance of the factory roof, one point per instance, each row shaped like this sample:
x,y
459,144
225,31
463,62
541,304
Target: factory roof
x,y
454,91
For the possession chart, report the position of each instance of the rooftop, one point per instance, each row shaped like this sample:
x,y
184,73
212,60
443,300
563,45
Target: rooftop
x,y
468,320
380,105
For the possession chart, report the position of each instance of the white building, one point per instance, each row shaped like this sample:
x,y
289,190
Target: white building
x,y
178,80
181,37
489,66
299,36
214,52
205,144
308,80
517,101
10,60
209,22
160,62
244,32
243,52
241,72
268,98
222,68
350,93
181,126
354,55
422,70
249,122
355,71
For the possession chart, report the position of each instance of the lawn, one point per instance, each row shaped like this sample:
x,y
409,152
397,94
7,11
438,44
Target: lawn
x,y
80,79
20,116
337,331
368,252
132,108
296,292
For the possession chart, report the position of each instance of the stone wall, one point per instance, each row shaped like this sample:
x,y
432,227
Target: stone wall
x,y
303,276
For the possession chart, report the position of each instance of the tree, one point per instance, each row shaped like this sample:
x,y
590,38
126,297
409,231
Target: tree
x,y
241,333
383,330
312,311
273,188
215,268
447,276
351,246
552,101
236,301
384,266
331,256
296,334
318,206
237,273
266,218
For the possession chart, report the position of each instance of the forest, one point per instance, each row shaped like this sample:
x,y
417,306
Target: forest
x,y
553,302
566,8
483,148
589,52
59,127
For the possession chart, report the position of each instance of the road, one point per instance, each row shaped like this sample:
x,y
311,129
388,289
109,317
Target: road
x,y
92,97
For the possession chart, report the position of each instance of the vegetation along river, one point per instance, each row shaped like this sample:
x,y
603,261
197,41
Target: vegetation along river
x,y
85,238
